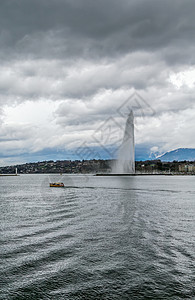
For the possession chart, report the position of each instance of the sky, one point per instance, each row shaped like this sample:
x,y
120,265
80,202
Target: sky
x,y
70,71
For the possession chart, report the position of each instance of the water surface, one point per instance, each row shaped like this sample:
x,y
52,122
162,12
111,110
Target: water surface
x,y
99,238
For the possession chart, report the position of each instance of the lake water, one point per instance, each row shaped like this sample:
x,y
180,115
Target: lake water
x,y
98,238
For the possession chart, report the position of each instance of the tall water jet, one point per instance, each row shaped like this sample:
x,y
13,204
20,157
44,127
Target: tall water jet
x,y
126,156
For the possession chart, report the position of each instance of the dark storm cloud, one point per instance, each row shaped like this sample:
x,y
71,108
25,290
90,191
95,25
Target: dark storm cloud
x,y
94,28
100,32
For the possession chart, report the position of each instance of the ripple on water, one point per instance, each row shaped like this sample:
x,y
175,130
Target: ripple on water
x,y
130,238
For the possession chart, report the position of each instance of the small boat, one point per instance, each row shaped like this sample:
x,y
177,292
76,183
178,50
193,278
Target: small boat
x,y
56,184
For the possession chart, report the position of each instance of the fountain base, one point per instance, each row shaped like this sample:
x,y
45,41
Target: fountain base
x,y
127,174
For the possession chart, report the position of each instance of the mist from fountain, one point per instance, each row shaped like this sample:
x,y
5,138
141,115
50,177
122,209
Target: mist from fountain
x,y
126,155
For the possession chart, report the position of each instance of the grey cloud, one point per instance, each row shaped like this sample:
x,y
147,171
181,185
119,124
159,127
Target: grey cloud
x,y
55,79
94,29
16,132
15,138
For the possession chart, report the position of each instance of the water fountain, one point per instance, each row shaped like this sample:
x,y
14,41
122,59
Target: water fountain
x,y
125,163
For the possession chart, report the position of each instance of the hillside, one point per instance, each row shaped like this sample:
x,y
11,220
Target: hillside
x,y
180,154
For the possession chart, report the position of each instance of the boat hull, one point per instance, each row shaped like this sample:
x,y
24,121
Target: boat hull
x,y
56,184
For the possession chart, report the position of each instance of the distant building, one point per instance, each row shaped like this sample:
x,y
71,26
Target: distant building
x,y
191,168
186,168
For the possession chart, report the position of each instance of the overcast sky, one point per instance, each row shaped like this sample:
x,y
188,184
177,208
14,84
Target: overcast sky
x,y
67,67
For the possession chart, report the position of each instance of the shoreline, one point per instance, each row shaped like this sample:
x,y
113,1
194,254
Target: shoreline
x,y
103,174
144,174
9,175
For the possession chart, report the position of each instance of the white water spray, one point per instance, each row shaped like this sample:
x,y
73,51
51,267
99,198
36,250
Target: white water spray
x,y
126,157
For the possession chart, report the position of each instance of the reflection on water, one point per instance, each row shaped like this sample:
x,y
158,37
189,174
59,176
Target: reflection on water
x,y
99,238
